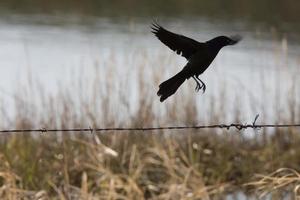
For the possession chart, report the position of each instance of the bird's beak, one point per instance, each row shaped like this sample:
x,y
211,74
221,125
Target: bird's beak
x,y
235,39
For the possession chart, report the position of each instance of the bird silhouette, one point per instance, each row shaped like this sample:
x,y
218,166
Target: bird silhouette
x,y
198,54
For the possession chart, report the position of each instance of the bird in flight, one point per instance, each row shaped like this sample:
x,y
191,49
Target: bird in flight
x,y
198,54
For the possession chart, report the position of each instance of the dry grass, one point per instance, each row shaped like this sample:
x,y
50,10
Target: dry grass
x,y
206,164
283,181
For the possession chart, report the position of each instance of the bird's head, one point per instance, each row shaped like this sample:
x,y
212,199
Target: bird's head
x,y
223,41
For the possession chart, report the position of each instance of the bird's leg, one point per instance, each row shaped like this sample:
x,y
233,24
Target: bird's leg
x,y
203,84
198,87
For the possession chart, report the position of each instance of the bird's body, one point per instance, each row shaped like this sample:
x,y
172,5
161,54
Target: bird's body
x,y
199,55
203,57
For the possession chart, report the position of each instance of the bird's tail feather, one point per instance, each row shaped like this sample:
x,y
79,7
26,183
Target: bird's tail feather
x,y
170,86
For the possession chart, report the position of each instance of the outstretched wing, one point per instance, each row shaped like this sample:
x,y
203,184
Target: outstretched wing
x,y
178,43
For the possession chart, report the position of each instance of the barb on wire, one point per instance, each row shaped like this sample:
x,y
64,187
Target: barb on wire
x,y
43,130
91,130
255,119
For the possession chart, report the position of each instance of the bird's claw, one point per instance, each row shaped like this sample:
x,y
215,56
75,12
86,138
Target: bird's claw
x,y
199,87
204,88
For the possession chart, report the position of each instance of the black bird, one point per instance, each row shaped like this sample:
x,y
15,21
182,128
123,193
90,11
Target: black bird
x,y
199,55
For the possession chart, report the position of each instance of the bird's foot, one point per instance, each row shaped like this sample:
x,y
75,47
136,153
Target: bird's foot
x,y
199,87
203,87
200,84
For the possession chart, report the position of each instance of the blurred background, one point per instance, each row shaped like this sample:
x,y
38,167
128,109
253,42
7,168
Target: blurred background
x,y
95,63
56,43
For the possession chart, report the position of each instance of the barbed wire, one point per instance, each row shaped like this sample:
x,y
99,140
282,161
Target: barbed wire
x,y
238,126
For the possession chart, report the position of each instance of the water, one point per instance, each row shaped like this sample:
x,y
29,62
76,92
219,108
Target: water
x,y
257,75
55,54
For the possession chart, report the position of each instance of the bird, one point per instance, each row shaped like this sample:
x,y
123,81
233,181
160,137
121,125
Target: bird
x,y
199,56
